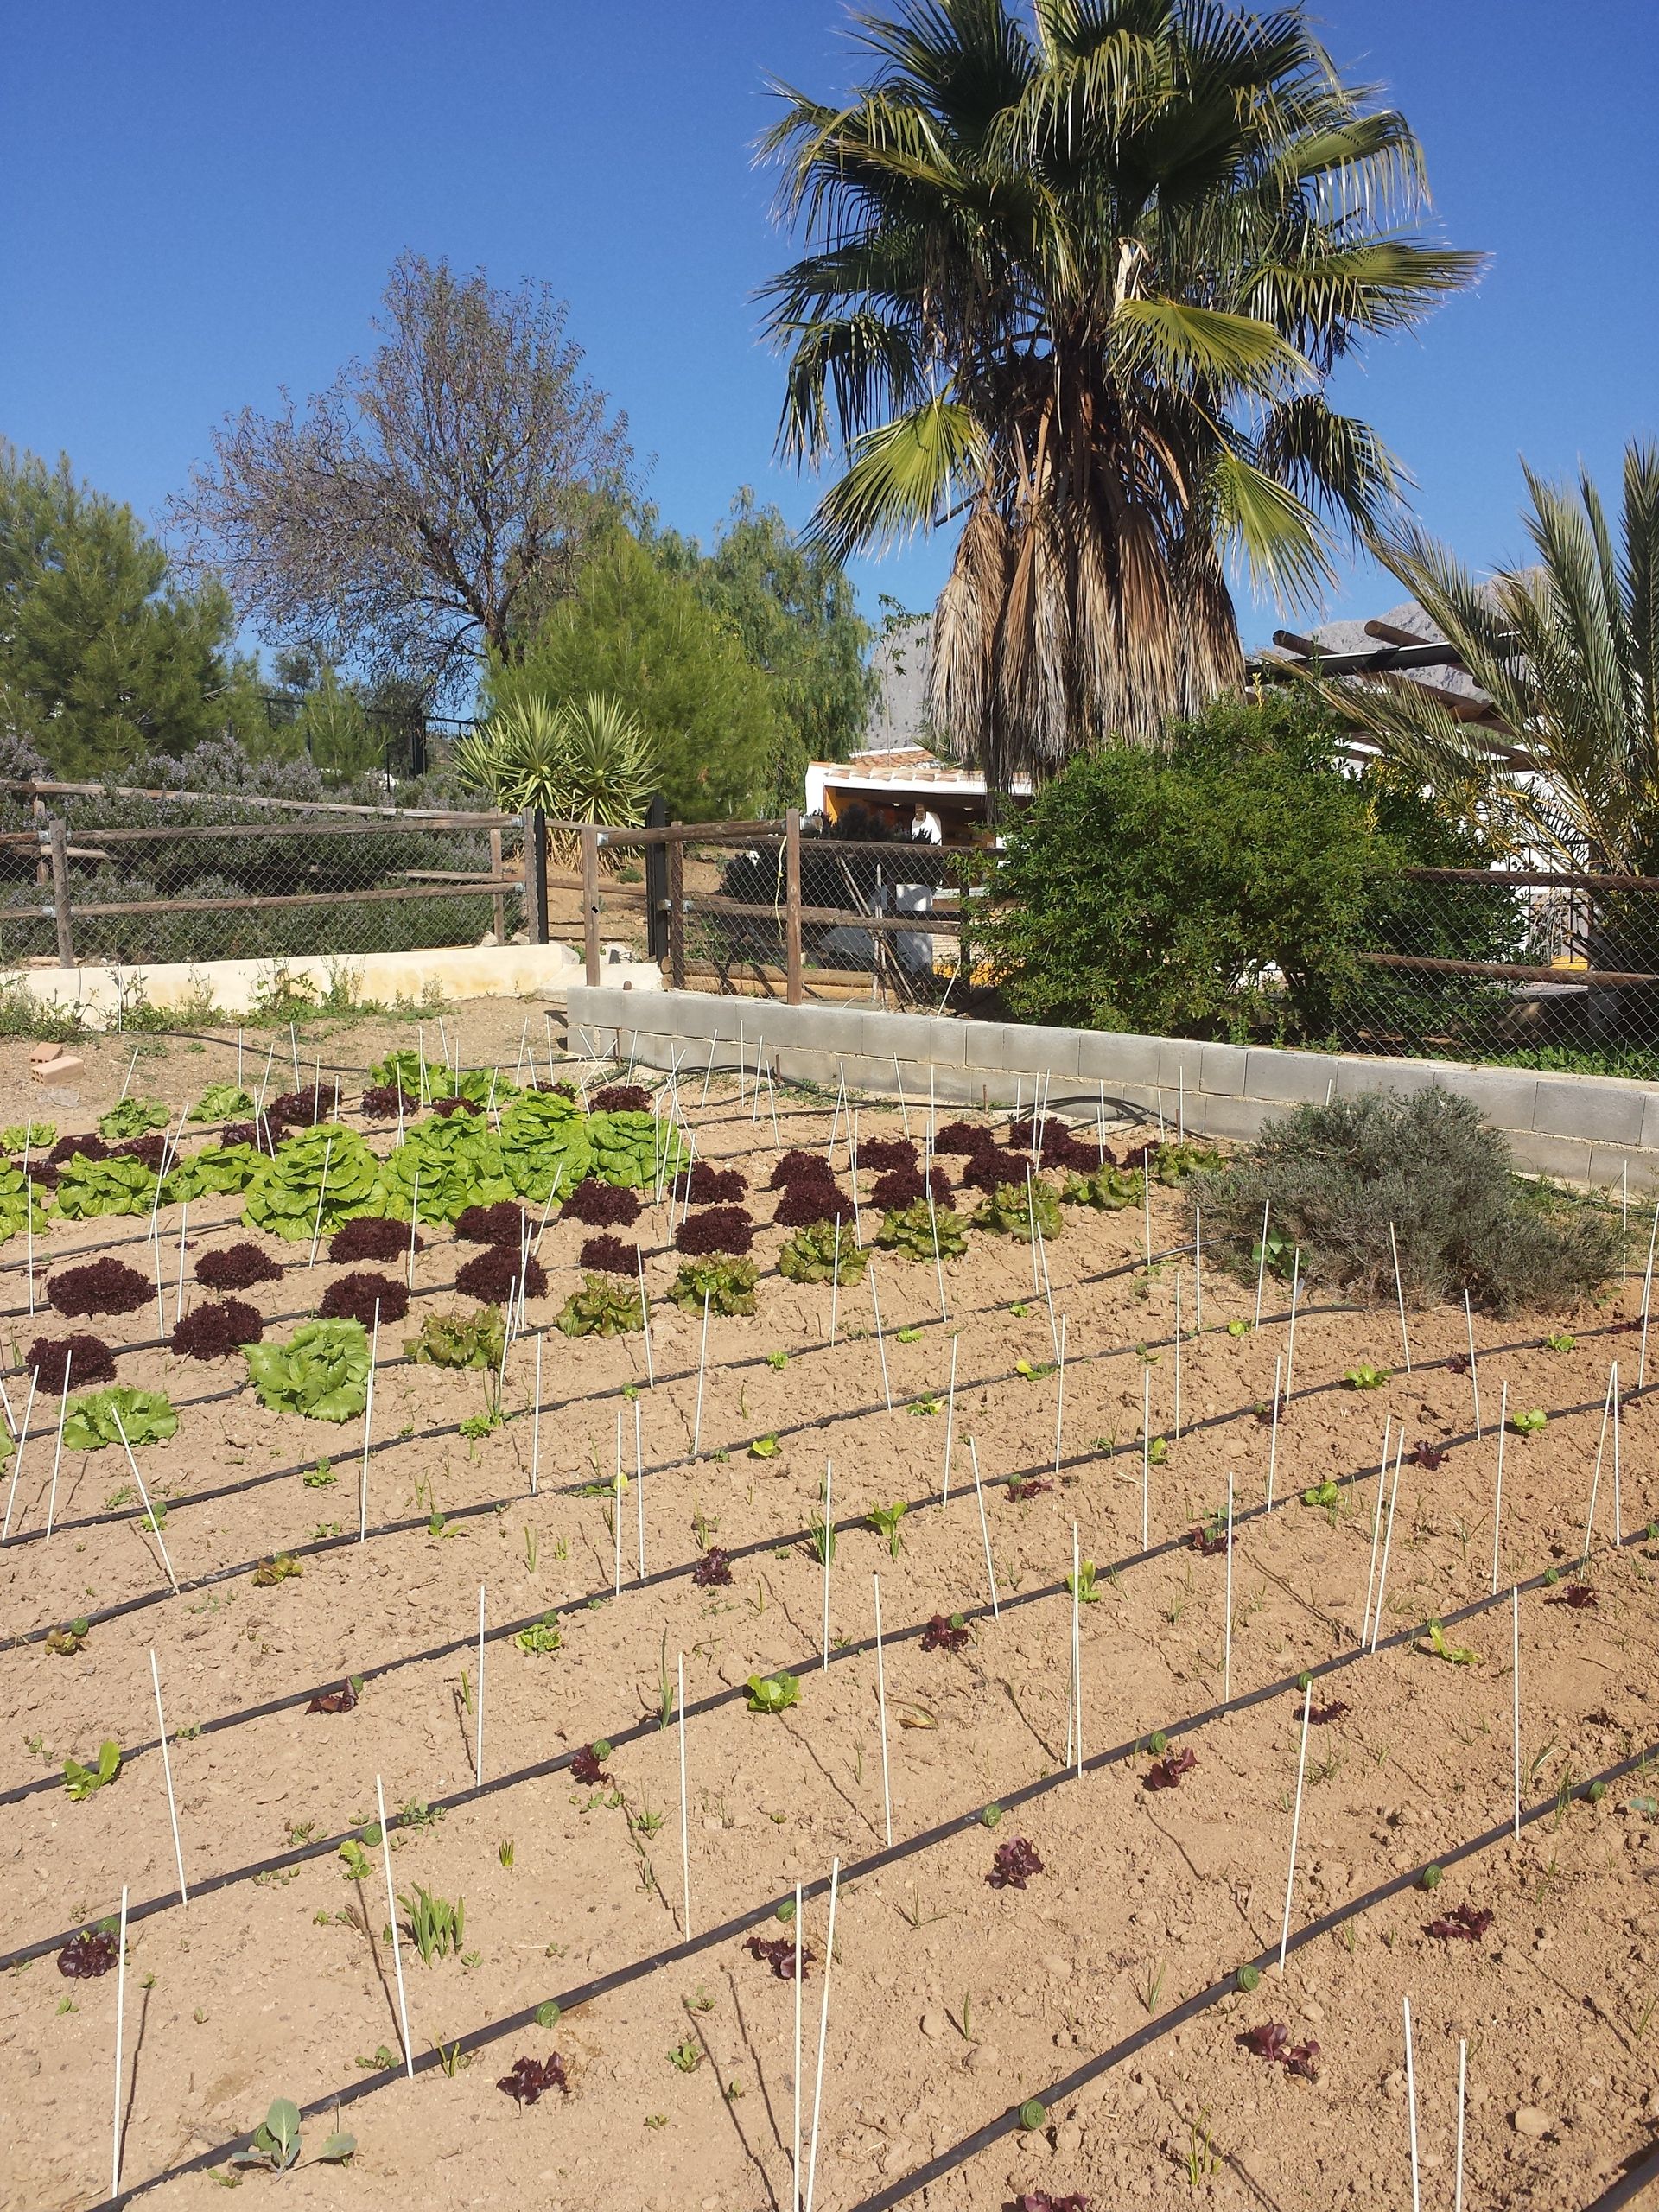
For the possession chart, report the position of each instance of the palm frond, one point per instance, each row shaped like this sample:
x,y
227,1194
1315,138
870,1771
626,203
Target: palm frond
x,y
901,477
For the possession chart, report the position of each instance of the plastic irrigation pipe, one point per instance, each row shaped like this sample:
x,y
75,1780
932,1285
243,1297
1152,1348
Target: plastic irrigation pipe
x,y
1024,1794
1007,2122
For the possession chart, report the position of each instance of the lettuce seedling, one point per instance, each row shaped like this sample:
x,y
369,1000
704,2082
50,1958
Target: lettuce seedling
x,y
281,1566
222,1102
528,2080
1165,1773
344,1700
83,1782
1562,1340
713,1567
1530,1423
943,1634
1023,1488
885,1520
1326,1494
65,1642
1015,1863
1085,1585
1425,1454
1455,1655
90,1954
540,1639
1464,1923
586,1767
779,1952
465,1340
1366,1377
277,2142
1272,2041
1578,1595
773,1692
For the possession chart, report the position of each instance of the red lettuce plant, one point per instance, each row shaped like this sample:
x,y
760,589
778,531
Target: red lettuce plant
x,y
215,1332
1577,1595
717,1229
587,1766
501,1223
88,1954
965,1139
1165,1773
944,1634
57,1361
104,1286
794,1164
1272,2041
151,1150
303,1108
779,1952
379,1102
1023,1488
492,1277
1015,1864
601,1205
621,1098
904,1187
609,1255
810,1200
1464,1923
714,1568
354,1298
883,1154
344,1700
711,1186
89,1147
529,2079
371,1237
443,1108
238,1266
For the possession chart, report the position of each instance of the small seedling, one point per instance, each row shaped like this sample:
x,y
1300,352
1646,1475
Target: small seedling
x,y
65,1642
276,2144
1366,1377
82,1781
1085,1584
778,1361
436,1924
685,2057
1455,1655
1325,1494
319,1477
1529,1424
910,1336
1562,1340
885,1520
773,1692
764,1447
356,1865
1238,1328
540,1639
504,1851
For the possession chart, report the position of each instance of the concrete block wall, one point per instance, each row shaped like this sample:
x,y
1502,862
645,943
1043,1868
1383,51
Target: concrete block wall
x,y
1589,1129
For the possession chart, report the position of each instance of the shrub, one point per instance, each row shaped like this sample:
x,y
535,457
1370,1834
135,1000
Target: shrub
x,y
600,1205
1154,891
101,1286
369,1237
500,1224
57,1361
727,1284
492,1277
719,1228
215,1332
238,1266
711,1186
358,1297
1336,1176
609,1255
810,1199
621,1098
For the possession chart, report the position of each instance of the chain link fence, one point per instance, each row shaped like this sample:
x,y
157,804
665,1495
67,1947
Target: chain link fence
x,y
130,878
1541,968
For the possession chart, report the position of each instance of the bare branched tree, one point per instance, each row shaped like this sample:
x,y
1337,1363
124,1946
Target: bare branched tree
x,y
432,501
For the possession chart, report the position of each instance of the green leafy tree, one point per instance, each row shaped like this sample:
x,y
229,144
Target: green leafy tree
x,y
103,657
1224,883
633,628
1079,270
793,610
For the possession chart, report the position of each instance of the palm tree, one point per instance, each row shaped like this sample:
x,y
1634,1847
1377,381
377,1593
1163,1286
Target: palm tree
x,y
1567,651
1078,273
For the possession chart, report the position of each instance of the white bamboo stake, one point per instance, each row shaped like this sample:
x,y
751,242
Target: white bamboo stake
x,y
1077,1646
984,1529
702,1366
881,1340
161,1308
1295,1828
1474,1372
1261,1261
882,1707
1100,1123
1146,1200
28,1221
396,1943
835,1281
178,1302
149,1510
1601,1446
1624,1222
120,2010
1646,1301
852,1177
17,1457
1041,1245
167,1773
1400,1297
950,1424
1180,1102
898,1077
645,1317
933,1223
1060,1395
616,1508
795,2161
133,1061
1515,1699
1290,1334
829,1553
477,1727
536,1422
1376,1529
1031,1223
1498,1498
1463,2084
1411,2110
1387,1541
368,1426
414,1223
1227,1638
1175,1423
1146,1459
57,1454
823,2032
639,1485
1198,1270
1273,1432
685,1825
322,1192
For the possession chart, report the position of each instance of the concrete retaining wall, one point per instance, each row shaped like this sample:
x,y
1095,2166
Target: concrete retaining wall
x,y
1580,1128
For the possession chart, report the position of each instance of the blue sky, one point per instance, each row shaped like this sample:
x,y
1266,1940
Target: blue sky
x,y
202,200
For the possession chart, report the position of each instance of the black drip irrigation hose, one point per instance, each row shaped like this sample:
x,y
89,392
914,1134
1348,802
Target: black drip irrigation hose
x,y
1642,2174
1026,1793
1007,2122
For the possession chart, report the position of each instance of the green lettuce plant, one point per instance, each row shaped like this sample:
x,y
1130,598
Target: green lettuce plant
x,y
422,1080
215,1170
84,1782
327,1165
322,1370
545,1143
18,1197
1109,1190
132,1117
911,1232
460,1340
456,1161
773,1692
630,1149
89,1188
1012,1206
809,1254
728,1286
602,1307
222,1102
33,1137
147,1417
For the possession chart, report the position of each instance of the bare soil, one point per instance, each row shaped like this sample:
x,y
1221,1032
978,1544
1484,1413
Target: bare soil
x,y
952,2002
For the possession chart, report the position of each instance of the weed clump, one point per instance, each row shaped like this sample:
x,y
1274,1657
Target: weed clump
x,y
358,1297
1337,1176
101,1286
215,1332
238,1266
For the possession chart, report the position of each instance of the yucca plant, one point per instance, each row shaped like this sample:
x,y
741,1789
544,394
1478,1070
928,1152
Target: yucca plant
x,y
578,760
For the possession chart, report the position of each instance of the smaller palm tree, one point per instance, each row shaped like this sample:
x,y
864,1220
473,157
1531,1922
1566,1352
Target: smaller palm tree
x,y
578,760
1568,650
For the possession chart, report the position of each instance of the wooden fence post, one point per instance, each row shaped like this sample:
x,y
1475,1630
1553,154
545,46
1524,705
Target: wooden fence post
x,y
60,891
676,907
590,900
499,902
534,823
656,860
794,990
